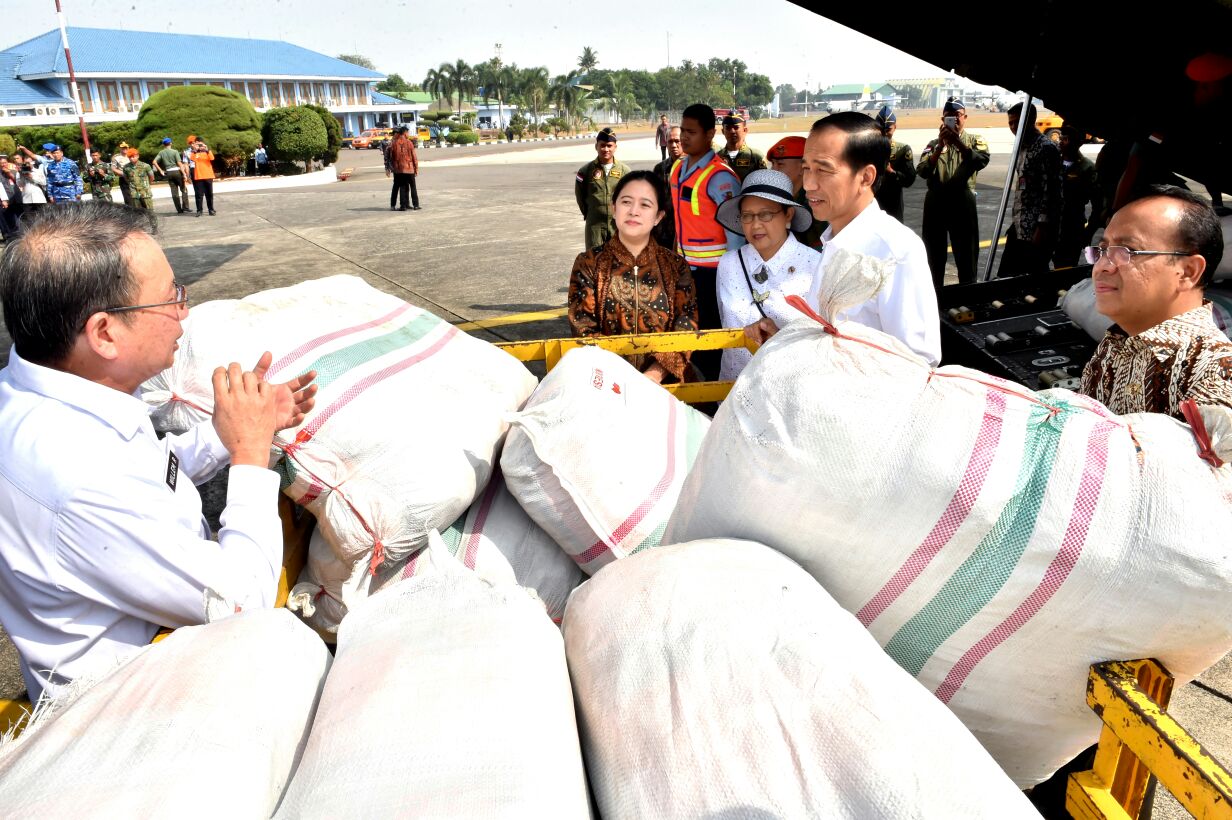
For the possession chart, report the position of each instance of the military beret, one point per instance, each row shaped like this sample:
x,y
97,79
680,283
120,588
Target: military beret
x,y
787,148
732,119
886,116
952,105
606,135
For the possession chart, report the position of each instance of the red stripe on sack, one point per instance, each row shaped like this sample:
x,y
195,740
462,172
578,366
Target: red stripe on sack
x,y
311,494
409,570
329,337
1067,556
600,547
481,518
359,387
955,514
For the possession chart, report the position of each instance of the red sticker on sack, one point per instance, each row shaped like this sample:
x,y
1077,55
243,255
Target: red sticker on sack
x,y
616,389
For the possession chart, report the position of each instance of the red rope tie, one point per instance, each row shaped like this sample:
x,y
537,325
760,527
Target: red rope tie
x,y
378,557
177,397
1189,409
320,592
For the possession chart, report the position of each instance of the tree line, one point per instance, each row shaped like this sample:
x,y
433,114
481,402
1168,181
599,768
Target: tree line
x,y
631,93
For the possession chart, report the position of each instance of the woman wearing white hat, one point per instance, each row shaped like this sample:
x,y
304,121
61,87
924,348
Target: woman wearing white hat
x,y
755,280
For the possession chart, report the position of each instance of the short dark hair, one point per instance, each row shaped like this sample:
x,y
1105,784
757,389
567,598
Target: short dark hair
x,y
1198,229
1016,110
656,182
701,114
68,264
866,144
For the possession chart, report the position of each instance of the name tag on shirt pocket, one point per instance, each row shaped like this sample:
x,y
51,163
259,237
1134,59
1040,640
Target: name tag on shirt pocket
x,y
173,470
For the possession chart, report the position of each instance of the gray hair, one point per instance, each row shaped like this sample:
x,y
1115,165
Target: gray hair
x,y
68,264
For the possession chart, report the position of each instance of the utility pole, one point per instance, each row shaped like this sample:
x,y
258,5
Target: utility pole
x,y
72,80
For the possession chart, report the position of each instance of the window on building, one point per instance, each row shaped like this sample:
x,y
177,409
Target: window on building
x,y
318,93
335,93
350,92
132,95
87,98
255,95
108,97
154,88
275,94
288,94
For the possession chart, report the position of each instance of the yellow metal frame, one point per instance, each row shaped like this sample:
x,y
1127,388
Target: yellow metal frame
x,y
1139,739
550,352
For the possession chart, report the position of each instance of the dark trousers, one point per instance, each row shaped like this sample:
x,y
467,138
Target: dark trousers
x,y
125,191
705,286
10,226
951,216
204,189
662,152
179,193
1070,243
1021,256
404,184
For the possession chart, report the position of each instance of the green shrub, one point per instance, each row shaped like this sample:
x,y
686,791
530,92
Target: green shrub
x,y
333,133
294,134
225,120
8,145
462,137
107,136
519,125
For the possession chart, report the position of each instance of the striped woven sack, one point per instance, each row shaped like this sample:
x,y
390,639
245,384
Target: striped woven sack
x,y
497,539
598,456
995,541
408,419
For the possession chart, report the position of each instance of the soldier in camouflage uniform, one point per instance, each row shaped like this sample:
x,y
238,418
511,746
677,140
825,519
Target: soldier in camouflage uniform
x,y
740,158
99,176
140,177
900,173
596,180
63,176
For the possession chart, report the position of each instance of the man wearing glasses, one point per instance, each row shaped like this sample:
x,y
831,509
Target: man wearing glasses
x,y
101,536
1157,256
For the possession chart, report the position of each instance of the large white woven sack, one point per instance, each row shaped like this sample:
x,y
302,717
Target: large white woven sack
x,y
208,723
717,679
449,697
598,455
497,539
996,541
407,422
327,585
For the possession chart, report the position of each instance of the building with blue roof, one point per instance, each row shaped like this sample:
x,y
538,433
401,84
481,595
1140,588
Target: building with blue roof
x,y
118,70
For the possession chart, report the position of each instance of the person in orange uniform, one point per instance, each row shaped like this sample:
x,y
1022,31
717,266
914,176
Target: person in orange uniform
x,y
203,175
700,182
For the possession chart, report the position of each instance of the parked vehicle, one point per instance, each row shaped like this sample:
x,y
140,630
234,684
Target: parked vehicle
x,y
373,138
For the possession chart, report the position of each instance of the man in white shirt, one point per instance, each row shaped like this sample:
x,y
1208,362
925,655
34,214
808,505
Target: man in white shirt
x,y
101,535
842,158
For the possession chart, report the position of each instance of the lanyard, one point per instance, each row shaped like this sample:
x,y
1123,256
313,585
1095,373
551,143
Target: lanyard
x,y
757,298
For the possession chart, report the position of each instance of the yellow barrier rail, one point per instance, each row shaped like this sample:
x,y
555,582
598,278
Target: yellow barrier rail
x,y
1139,739
550,352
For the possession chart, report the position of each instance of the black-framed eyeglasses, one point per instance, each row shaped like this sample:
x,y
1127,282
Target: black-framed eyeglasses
x,y
1120,255
181,298
760,216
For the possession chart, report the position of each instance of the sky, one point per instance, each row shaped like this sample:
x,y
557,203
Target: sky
x,y
783,41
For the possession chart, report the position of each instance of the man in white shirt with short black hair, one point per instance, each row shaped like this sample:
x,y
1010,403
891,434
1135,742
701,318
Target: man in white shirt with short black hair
x,y
101,535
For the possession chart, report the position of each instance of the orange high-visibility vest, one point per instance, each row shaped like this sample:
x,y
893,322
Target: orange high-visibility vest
x,y
699,238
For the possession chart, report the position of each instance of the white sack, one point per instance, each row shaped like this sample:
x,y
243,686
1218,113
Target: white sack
x,y
327,585
407,422
717,679
449,697
995,546
1079,305
207,723
497,539
598,455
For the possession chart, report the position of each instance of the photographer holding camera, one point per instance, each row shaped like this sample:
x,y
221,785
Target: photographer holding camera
x,y
950,165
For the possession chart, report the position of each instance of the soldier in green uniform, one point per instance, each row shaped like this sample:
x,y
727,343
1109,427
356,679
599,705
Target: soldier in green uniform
x,y
140,177
99,176
596,180
900,173
742,159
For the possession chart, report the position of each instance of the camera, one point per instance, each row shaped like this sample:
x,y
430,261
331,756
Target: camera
x,y
951,123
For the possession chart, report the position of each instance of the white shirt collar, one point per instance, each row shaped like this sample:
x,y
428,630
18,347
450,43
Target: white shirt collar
x,y
783,257
857,227
127,414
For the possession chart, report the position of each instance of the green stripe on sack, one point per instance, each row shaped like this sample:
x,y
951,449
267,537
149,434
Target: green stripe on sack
x,y
333,366
986,570
652,540
452,535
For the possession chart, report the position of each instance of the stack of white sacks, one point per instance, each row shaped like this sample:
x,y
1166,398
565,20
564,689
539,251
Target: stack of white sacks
x,y
910,540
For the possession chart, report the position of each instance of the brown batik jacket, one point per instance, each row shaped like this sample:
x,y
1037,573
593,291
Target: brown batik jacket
x,y
1185,357
611,293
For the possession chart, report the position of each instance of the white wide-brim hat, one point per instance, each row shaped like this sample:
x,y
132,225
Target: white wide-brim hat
x,y
774,186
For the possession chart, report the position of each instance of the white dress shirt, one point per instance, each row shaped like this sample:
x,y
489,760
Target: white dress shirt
x,y
906,308
101,542
790,273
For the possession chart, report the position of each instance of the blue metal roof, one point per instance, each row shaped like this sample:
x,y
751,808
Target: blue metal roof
x,y
20,92
384,99
114,51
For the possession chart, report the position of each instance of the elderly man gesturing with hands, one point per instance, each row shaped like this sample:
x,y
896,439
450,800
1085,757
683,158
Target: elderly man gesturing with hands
x,y
102,541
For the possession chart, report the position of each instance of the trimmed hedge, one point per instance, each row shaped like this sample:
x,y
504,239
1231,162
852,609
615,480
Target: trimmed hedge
x,y
294,134
333,134
225,120
462,137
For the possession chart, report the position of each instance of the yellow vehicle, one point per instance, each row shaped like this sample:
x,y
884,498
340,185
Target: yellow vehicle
x,y
1050,126
422,135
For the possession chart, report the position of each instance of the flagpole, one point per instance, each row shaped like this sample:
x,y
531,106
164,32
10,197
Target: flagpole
x,y
72,80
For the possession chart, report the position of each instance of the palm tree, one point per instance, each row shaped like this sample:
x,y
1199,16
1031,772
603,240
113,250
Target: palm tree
x,y
531,90
462,78
622,98
565,94
588,60
438,83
